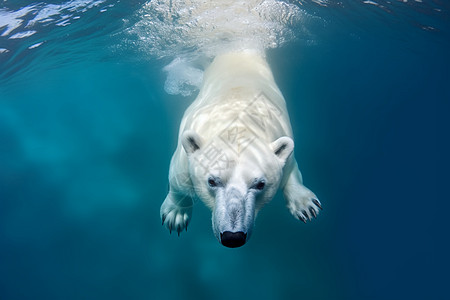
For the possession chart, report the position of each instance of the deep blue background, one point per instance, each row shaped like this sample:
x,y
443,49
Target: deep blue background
x,y
84,156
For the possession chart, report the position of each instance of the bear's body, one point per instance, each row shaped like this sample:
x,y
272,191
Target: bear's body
x,y
234,151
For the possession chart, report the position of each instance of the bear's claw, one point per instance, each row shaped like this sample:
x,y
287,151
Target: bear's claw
x,y
304,215
302,218
317,203
313,212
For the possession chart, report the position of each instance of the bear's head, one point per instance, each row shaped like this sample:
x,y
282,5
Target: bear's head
x,y
235,180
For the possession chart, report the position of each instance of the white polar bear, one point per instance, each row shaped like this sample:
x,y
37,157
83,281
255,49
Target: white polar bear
x,y
235,150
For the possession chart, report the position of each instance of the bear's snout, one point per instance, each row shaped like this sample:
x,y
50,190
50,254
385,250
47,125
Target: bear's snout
x,y
233,239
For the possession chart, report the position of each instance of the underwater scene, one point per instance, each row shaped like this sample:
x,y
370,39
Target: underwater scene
x,y
92,94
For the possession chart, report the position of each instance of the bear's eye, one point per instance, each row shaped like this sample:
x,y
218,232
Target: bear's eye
x,y
212,182
260,185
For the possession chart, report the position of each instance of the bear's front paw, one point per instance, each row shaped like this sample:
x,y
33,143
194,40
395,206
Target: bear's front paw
x,y
301,202
175,217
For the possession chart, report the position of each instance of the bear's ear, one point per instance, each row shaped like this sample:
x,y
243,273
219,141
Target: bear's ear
x,y
282,148
191,141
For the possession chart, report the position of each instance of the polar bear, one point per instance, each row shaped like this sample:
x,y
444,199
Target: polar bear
x,y
235,150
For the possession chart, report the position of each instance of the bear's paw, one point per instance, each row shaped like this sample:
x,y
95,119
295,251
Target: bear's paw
x,y
175,216
301,202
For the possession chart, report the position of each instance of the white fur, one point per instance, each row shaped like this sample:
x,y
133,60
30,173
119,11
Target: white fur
x,y
236,133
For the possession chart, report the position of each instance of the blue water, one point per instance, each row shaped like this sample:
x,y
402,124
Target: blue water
x,y
87,131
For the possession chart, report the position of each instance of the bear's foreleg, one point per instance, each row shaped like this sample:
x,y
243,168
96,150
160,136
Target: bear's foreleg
x,y
176,210
301,202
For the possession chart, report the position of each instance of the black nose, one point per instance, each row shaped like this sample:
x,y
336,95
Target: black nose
x,y
233,239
